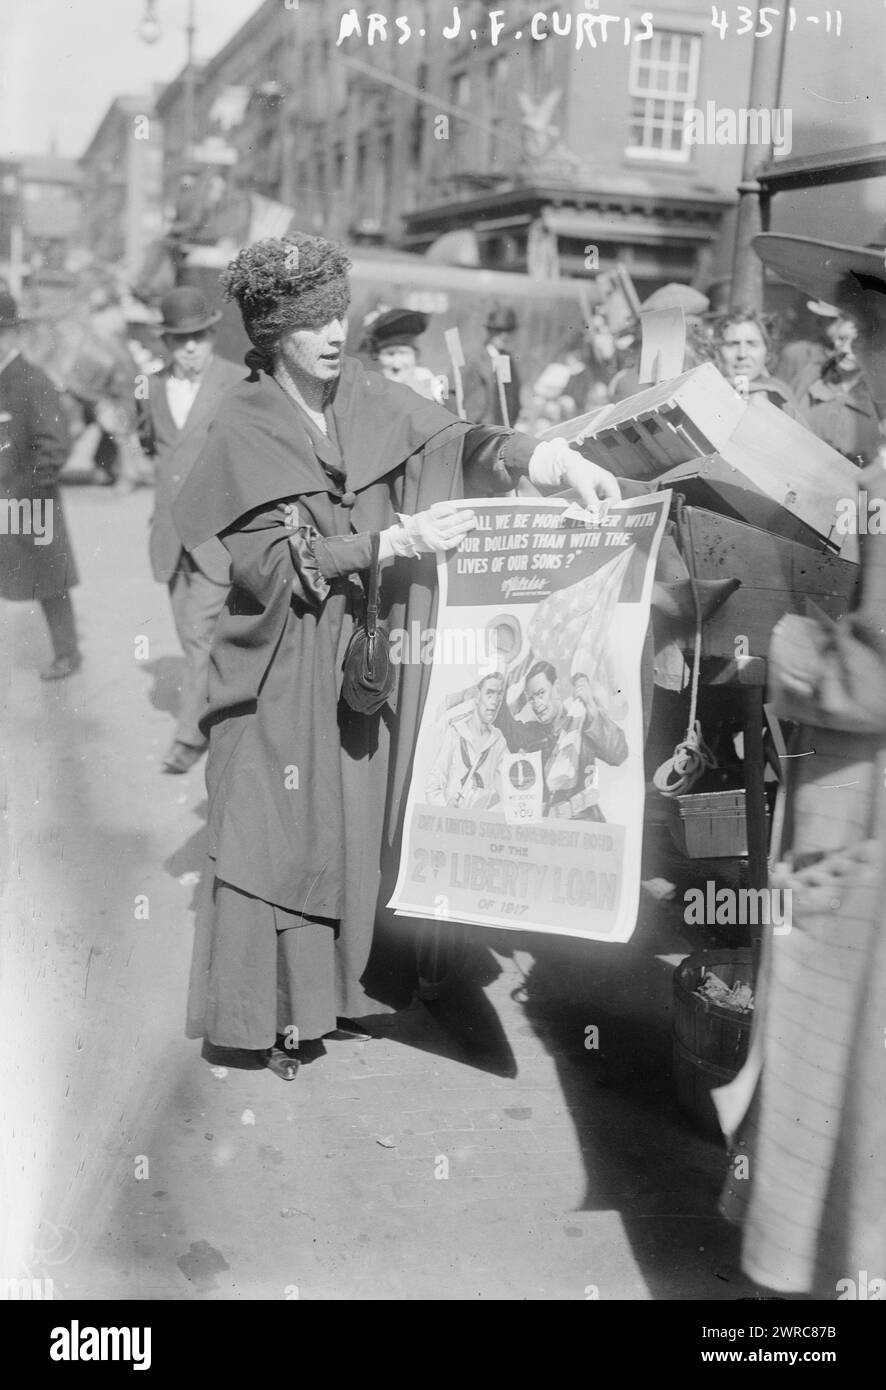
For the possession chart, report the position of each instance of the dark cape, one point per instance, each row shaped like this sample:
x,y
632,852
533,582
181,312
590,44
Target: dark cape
x,y
306,798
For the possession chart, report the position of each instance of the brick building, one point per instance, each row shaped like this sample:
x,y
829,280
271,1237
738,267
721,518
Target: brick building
x,y
389,123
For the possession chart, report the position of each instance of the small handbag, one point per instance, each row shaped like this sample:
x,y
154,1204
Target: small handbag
x,y
368,670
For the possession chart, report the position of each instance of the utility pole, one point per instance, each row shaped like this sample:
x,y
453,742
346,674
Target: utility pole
x,y
767,70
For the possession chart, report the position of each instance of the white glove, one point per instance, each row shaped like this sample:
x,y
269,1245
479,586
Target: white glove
x,y
442,527
555,464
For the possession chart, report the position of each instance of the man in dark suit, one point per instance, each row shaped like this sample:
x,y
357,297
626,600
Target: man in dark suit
x,y
35,555
183,400
482,398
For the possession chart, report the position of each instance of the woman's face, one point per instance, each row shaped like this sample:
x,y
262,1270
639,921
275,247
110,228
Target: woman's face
x,y
842,334
397,359
743,351
316,352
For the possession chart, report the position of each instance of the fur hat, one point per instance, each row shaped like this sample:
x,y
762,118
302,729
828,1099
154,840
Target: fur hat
x,y
285,283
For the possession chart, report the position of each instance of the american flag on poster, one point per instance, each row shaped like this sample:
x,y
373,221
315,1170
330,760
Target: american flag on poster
x,y
525,807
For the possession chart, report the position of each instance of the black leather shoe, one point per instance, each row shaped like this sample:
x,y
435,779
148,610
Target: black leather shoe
x,y
62,667
283,1064
181,757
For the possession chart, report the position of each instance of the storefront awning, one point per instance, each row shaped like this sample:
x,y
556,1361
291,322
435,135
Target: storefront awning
x,y
592,225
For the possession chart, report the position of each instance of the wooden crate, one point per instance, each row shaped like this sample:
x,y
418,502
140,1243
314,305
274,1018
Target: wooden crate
x,y
709,825
718,486
801,473
777,576
689,417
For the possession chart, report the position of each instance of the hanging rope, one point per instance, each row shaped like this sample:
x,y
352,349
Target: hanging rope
x,y
691,758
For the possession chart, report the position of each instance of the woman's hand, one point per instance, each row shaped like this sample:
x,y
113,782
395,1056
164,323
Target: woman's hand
x,y
554,464
442,527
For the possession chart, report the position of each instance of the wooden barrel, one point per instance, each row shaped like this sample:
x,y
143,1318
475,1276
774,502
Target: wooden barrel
x,y
710,1041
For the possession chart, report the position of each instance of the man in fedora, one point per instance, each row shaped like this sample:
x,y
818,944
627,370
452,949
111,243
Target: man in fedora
x,y
35,555
183,400
482,397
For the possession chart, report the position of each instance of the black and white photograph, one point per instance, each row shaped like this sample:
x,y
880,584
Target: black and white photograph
x,y
390,911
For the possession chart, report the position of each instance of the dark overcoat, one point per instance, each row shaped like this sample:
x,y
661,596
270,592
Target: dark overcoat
x,y
482,401
33,450
298,786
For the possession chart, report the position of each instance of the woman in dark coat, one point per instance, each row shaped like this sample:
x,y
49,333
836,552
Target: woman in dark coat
x,y
35,554
308,458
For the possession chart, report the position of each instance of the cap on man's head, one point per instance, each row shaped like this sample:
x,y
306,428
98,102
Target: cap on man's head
x,y
677,296
186,310
396,328
501,319
9,316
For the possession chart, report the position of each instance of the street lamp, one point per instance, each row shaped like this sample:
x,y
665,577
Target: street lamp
x,y
149,29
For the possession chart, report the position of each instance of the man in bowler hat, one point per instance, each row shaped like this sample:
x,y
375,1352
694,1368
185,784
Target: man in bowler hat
x,y
482,398
35,555
175,420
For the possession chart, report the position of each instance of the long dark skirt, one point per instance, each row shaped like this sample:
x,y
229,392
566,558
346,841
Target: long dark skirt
x,y
259,971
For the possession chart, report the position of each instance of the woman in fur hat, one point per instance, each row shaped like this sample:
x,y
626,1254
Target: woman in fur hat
x,y
309,458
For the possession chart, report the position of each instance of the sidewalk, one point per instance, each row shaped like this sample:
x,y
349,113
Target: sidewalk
x,y
475,1148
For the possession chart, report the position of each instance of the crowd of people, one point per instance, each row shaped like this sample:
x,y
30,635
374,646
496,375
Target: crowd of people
x,y
817,381
279,492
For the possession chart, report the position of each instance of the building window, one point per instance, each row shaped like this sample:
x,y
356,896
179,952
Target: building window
x,y
663,82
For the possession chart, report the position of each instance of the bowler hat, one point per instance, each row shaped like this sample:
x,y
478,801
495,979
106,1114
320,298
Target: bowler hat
x,y
186,310
9,316
817,267
396,327
501,319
